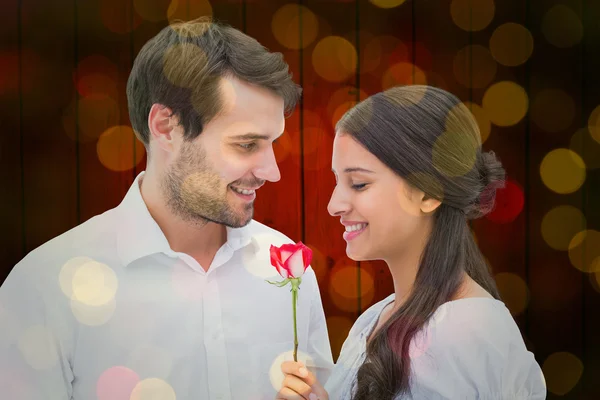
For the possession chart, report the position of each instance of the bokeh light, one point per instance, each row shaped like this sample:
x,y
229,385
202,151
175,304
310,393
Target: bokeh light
x,y
95,64
276,376
38,347
97,86
562,372
553,110
594,124
386,3
561,224
505,103
93,315
508,204
454,152
584,251
513,291
584,145
153,388
286,24
116,383
334,59
344,286
474,67
153,11
344,95
563,171
511,44
92,116
187,10
403,73
118,19
483,121
562,27
116,150
94,284
179,60
472,15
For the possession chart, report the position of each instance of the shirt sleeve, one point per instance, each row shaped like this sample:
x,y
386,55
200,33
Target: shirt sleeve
x,y
33,358
474,357
318,339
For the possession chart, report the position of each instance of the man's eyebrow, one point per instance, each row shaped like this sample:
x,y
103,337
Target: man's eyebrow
x,y
251,136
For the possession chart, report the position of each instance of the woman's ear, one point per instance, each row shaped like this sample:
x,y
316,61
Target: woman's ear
x,y
429,204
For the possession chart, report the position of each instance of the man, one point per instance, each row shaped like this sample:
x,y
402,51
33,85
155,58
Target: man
x,y
165,296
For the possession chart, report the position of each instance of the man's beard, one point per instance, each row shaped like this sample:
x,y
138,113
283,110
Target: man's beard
x,y
195,193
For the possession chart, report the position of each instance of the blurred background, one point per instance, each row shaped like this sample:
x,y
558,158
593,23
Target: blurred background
x,y
528,70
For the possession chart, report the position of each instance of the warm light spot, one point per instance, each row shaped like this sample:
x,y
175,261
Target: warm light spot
x,y
561,224
454,152
149,360
287,23
282,147
116,383
513,291
471,15
562,372
96,65
594,124
584,145
387,3
584,251
563,171
38,347
153,11
334,59
596,278
338,328
553,110
178,62
508,204
97,86
153,389
92,116
94,284
319,263
511,44
118,19
506,103
93,315
562,27
483,120
344,95
276,375
403,73
371,52
344,286
474,67
119,150
340,111
67,272
187,10
429,183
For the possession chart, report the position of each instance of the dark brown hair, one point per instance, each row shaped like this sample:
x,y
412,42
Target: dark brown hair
x,y
181,66
431,140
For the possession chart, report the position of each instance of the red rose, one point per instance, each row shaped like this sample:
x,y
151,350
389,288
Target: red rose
x,y
291,260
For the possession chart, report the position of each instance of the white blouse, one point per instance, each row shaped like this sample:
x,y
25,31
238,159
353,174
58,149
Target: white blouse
x,y
469,349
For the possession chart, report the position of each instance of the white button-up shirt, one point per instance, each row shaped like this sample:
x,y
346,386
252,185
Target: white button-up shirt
x,y
108,311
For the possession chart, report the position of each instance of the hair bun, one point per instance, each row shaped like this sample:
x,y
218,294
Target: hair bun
x,y
492,177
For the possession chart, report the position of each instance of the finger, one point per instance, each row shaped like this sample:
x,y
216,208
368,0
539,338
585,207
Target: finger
x,y
298,369
288,394
297,385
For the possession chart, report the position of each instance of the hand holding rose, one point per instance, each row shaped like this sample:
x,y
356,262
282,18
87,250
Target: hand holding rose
x,y
300,383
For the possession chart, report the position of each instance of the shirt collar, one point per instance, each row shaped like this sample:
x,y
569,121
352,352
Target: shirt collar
x,y
140,236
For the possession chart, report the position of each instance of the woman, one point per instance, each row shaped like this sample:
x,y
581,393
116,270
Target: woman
x,y
410,174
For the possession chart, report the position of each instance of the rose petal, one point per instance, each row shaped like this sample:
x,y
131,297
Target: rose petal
x,y
295,264
286,250
306,254
276,261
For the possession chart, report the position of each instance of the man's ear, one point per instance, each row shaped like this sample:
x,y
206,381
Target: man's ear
x,y
163,127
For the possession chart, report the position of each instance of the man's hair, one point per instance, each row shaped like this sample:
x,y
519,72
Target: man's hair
x,y
181,67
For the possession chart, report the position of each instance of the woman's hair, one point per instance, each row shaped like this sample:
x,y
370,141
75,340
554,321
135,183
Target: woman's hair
x,y
431,140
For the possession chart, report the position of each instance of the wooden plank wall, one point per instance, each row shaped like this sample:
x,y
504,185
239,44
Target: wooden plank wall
x,y
67,153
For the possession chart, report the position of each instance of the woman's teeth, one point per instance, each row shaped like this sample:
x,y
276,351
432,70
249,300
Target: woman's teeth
x,y
356,227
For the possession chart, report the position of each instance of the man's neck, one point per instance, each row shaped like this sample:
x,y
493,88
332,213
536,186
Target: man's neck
x,y
200,241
